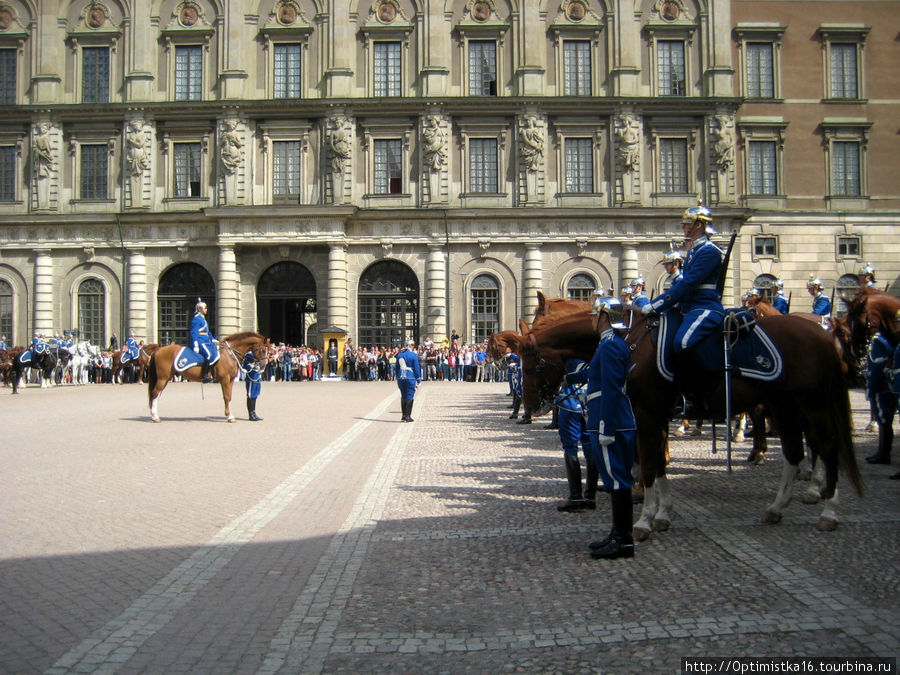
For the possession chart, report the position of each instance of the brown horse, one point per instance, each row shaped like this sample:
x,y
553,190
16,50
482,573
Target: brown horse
x,y
550,309
232,349
867,313
809,398
143,360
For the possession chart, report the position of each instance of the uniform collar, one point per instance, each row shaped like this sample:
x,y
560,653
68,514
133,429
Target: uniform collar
x,y
699,241
607,334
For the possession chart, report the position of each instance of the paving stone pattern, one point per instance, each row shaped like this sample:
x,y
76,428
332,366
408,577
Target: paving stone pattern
x,y
333,538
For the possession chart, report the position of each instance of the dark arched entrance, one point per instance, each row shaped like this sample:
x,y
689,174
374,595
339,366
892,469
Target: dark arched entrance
x,y
388,305
179,289
286,302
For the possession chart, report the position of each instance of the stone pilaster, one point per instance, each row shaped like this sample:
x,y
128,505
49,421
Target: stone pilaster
x,y
43,291
137,293
532,278
228,304
628,266
338,314
436,293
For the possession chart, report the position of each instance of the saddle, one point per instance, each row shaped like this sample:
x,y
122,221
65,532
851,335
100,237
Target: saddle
x,y
752,352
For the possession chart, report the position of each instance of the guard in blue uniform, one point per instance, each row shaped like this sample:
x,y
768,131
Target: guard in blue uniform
x,y
671,262
779,301
611,424
880,392
895,373
202,341
131,348
696,293
638,297
251,367
409,374
821,303
3,345
866,276
38,344
572,433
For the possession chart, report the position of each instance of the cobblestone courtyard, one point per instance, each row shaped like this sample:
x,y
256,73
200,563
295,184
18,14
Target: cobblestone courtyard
x,y
333,538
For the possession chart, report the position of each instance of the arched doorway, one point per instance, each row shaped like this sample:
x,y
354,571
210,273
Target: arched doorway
x,y
286,302
388,305
767,286
179,289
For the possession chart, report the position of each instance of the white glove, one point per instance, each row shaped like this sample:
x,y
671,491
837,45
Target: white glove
x,y
605,440
647,309
197,347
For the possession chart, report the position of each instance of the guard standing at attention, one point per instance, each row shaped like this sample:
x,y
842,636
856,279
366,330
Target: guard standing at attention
x,y
611,425
409,374
572,433
202,341
251,366
880,392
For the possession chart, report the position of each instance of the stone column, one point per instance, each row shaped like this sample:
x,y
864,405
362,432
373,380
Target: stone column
x,y
43,291
628,266
228,293
338,314
436,293
532,279
137,294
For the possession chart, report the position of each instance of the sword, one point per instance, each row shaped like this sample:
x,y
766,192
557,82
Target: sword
x,y
723,272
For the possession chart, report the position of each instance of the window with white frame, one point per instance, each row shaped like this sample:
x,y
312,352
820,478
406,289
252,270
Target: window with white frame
x,y
579,164
762,168
94,171
388,68
95,74
8,75
577,74
482,67
286,160
759,45
843,53
187,166
670,68
849,246
188,72
485,307
765,246
388,173
673,165
7,173
483,165
287,70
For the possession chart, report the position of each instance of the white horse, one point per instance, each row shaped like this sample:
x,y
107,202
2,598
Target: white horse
x,y
80,361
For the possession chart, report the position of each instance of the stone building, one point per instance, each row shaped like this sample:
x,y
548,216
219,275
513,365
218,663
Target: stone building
x,y
395,168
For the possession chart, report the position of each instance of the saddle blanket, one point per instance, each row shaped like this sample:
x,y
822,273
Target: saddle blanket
x,y
187,358
25,357
754,355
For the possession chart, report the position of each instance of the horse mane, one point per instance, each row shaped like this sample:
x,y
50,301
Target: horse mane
x,y
246,335
549,309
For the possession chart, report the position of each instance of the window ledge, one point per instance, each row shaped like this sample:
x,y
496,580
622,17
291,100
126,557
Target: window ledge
x,y
763,99
851,101
92,201
382,195
186,200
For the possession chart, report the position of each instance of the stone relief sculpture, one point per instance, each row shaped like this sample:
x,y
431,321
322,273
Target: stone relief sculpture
x,y
339,143
628,142
231,146
42,151
532,149
434,143
723,142
138,155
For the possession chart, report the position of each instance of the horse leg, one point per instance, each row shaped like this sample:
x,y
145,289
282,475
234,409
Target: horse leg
x,y
226,396
663,521
642,528
739,428
792,448
817,481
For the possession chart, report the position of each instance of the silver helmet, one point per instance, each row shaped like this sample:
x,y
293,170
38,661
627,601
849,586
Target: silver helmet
x,y
613,310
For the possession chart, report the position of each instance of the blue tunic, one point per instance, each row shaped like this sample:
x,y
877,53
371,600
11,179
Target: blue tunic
x,y
572,426
409,373
254,378
780,303
202,339
640,299
878,384
821,304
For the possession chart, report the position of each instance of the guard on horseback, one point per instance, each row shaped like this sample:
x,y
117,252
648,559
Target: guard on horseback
x,y
132,348
38,344
821,303
202,341
866,276
638,297
671,262
779,300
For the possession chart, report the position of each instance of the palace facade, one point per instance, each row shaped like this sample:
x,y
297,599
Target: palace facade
x,y
395,168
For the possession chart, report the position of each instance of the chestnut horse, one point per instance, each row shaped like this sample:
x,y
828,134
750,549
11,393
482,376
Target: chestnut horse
x,y
232,350
867,313
809,398
143,360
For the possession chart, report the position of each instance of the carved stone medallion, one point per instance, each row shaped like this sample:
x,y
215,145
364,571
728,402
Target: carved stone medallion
x,y
481,11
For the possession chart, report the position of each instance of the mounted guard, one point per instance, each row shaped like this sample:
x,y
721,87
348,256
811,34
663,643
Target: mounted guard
x,y
132,348
821,303
202,341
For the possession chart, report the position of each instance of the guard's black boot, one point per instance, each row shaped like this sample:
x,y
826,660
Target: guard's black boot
x,y
251,408
404,410
409,405
554,423
590,486
621,544
526,418
517,401
575,502
692,411
885,440
207,377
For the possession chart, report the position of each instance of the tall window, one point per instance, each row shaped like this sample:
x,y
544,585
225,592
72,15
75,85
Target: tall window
x,y
388,173
286,168
188,73
577,67
670,67
843,71
95,75
482,68
7,173
91,310
187,169
845,176
483,165
760,70
579,165
581,287
673,175
7,76
94,167
287,71
387,69
6,311
762,168
485,307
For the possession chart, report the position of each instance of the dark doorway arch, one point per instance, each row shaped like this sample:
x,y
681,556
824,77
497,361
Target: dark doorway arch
x,y
179,288
286,302
388,305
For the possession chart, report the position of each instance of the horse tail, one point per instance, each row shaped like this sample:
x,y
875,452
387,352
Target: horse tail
x,y
844,422
151,378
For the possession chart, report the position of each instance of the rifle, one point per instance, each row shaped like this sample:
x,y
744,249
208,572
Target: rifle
x,y
723,272
789,302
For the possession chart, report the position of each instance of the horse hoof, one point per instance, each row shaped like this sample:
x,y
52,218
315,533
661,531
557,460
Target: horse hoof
x,y
155,419
660,525
740,438
826,525
232,419
810,498
772,517
640,534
